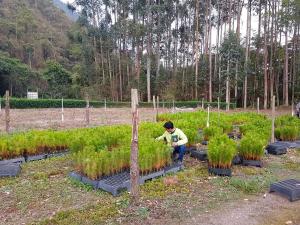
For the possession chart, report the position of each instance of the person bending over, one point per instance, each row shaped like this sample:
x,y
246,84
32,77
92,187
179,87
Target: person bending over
x,y
175,138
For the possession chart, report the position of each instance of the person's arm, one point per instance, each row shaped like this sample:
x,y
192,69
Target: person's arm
x,y
161,137
182,138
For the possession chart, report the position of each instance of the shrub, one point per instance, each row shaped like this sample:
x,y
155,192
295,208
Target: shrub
x,y
252,146
210,132
287,133
221,151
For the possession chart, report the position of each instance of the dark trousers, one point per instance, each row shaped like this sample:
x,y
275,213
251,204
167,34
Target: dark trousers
x,y
179,150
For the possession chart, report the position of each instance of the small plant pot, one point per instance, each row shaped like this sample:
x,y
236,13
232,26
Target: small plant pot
x,y
276,150
231,135
256,163
173,168
36,157
76,176
220,171
15,160
10,170
204,142
237,160
200,155
152,175
57,154
89,181
188,150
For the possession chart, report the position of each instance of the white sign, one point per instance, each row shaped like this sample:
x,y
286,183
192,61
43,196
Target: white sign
x,y
32,95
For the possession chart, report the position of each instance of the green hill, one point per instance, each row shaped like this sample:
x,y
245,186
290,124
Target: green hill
x,y
33,31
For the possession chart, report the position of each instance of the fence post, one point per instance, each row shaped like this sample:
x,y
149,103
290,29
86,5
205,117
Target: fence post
x,y
105,104
154,108
273,119
173,109
157,108
7,109
202,104
207,122
62,109
87,110
134,169
219,111
258,105
292,108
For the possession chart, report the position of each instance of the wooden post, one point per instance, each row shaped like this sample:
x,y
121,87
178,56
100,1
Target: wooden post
x,y
87,110
157,108
202,105
105,104
258,105
154,108
207,122
273,120
134,169
292,108
219,111
0,105
7,108
173,110
62,110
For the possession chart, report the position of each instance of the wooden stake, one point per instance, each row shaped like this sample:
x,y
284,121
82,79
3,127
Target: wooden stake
x,y
87,110
207,122
154,108
273,120
105,104
157,107
292,108
62,109
202,104
173,110
258,105
219,111
7,109
134,169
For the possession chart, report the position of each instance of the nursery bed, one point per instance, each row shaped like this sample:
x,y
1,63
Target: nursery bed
x,y
117,183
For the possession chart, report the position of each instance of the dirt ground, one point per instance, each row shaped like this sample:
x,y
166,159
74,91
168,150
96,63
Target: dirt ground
x,y
24,119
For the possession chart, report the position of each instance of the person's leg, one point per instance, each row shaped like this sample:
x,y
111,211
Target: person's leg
x,y
181,149
175,152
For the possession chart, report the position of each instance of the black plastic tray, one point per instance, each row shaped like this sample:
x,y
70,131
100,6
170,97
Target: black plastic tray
x,y
288,188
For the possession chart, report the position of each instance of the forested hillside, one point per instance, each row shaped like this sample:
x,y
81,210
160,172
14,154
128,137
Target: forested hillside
x,y
182,50
33,31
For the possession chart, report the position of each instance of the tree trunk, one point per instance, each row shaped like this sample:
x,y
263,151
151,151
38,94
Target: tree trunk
x,y
271,53
148,52
265,61
196,48
248,37
286,70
